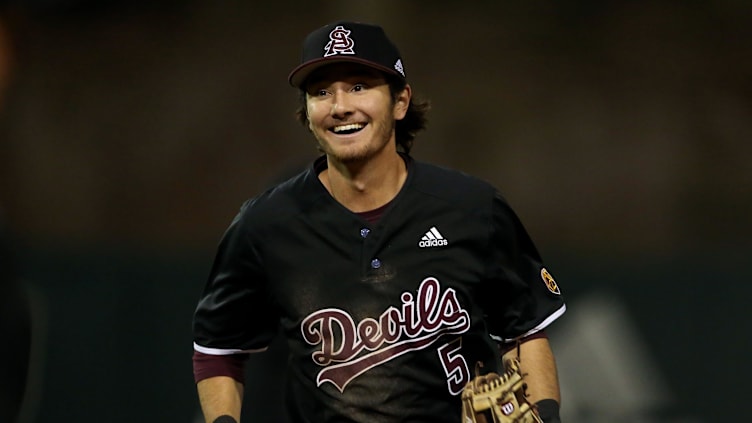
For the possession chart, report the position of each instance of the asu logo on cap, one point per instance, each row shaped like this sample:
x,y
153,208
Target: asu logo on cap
x,y
550,282
336,42
339,42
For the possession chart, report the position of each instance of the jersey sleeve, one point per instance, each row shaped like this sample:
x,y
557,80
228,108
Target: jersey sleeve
x,y
520,296
235,313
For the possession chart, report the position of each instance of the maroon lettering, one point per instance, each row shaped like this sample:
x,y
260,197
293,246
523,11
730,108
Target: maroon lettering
x,y
420,321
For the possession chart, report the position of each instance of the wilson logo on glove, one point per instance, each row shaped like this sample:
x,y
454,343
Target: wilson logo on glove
x,y
498,399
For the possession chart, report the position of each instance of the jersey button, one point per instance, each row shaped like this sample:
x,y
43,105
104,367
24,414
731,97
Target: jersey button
x,y
375,263
364,232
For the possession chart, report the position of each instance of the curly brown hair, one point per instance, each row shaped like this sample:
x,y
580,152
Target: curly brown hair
x,y
405,129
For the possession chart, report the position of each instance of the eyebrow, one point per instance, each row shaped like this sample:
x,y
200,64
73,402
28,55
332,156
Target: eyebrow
x,y
318,78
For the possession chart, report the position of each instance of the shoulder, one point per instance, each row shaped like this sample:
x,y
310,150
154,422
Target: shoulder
x,y
451,184
280,202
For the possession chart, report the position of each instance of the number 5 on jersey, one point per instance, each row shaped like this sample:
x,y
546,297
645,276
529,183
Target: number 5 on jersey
x,y
455,366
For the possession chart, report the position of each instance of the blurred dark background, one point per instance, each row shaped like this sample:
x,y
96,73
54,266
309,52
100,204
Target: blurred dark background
x,y
621,132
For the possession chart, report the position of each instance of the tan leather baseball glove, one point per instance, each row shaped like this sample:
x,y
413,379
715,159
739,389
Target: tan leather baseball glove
x,y
492,398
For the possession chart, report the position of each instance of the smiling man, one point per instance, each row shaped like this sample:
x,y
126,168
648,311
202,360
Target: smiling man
x,y
391,278
351,112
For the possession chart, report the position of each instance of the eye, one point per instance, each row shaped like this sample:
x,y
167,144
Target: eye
x,y
358,87
314,91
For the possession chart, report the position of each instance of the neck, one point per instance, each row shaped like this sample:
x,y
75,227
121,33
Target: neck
x,y
365,186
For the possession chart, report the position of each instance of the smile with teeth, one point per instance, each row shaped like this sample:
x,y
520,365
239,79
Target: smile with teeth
x,y
350,128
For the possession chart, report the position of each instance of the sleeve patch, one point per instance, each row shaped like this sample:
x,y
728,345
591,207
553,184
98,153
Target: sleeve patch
x,y
550,282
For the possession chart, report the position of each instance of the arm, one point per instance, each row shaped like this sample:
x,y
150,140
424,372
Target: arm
x,y
220,396
539,367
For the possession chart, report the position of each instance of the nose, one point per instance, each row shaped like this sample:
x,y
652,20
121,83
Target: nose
x,y
341,105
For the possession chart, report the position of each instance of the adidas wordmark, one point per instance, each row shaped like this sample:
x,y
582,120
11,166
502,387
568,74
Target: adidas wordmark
x,y
432,238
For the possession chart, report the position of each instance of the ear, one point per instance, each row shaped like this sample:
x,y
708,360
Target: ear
x,y
402,102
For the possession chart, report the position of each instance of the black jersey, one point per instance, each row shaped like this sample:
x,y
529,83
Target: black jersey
x,y
384,322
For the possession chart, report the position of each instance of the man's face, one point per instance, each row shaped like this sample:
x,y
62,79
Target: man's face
x,y
351,112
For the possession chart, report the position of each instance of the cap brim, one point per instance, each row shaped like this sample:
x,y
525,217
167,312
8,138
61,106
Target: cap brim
x,y
299,75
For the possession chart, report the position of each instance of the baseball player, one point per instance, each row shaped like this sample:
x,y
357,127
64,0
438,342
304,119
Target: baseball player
x,y
391,279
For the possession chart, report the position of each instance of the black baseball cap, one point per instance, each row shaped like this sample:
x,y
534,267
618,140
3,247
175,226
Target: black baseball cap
x,y
347,42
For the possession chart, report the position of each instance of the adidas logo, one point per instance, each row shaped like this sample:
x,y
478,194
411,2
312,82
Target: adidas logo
x,y
432,238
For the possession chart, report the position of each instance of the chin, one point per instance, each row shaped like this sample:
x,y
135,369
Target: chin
x,y
351,154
